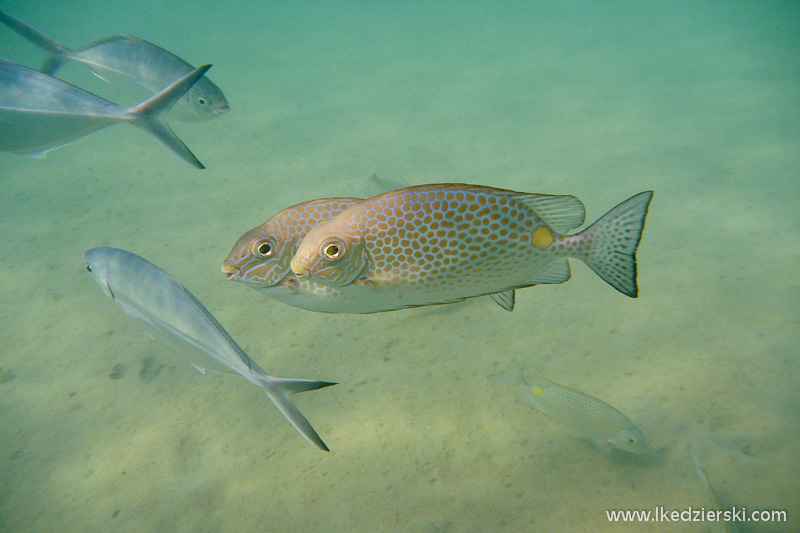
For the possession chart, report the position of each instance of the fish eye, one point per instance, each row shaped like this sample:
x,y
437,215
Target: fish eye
x,y
88,268
263,248
202,101
631,440
332,250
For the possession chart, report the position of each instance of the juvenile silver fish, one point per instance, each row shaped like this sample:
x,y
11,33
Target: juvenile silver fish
x,y
173,314
39,113
712,500
127,60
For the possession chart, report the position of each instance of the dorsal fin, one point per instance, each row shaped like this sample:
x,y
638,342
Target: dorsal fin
x,y
560,213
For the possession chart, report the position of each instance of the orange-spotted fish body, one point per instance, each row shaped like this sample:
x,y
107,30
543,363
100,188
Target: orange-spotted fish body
x,y
440,243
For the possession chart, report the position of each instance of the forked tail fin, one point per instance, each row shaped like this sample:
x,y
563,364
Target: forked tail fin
x,y
147,115
615,238
58,52
279,389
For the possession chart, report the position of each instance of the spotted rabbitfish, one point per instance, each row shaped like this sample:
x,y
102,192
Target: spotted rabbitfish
x,y
440,243
127,60
39,113
172,314
588,416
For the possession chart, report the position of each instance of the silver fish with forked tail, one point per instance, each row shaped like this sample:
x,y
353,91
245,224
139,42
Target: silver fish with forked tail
x,y
39,113
126,60
173,314
440,243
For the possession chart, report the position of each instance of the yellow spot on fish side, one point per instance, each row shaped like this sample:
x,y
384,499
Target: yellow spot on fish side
x,y
538,391
542,237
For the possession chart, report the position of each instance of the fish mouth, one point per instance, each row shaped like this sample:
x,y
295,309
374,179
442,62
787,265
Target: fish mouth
x,y
230,271
299,270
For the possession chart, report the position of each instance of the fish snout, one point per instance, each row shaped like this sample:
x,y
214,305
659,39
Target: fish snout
x,y
299,270
230,271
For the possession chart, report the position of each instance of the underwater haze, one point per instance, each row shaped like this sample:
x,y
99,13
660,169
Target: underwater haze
x,y
103,429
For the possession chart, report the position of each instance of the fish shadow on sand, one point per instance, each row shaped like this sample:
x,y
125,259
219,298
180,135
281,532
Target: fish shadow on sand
x,y
118,372
150,369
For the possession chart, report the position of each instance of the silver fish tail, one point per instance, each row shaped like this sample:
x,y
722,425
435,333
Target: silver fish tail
x,y
58,52
147,115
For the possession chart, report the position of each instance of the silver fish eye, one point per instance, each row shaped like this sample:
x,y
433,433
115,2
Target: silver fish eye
x,y
201,101
263,248
89,268
332,250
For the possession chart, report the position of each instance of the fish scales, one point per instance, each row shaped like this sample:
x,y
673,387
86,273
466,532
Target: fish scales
x,y
445,242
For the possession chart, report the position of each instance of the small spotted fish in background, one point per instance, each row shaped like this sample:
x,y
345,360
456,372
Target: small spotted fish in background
x,y
585,414
441,243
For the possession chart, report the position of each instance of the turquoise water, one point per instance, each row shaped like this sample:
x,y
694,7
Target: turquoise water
x,y
101,429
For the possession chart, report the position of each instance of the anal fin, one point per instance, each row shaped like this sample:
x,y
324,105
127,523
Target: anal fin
x,y
557,271
505,299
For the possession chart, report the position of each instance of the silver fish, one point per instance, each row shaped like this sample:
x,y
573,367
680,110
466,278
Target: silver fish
x,y
39,113
149,294
125,59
